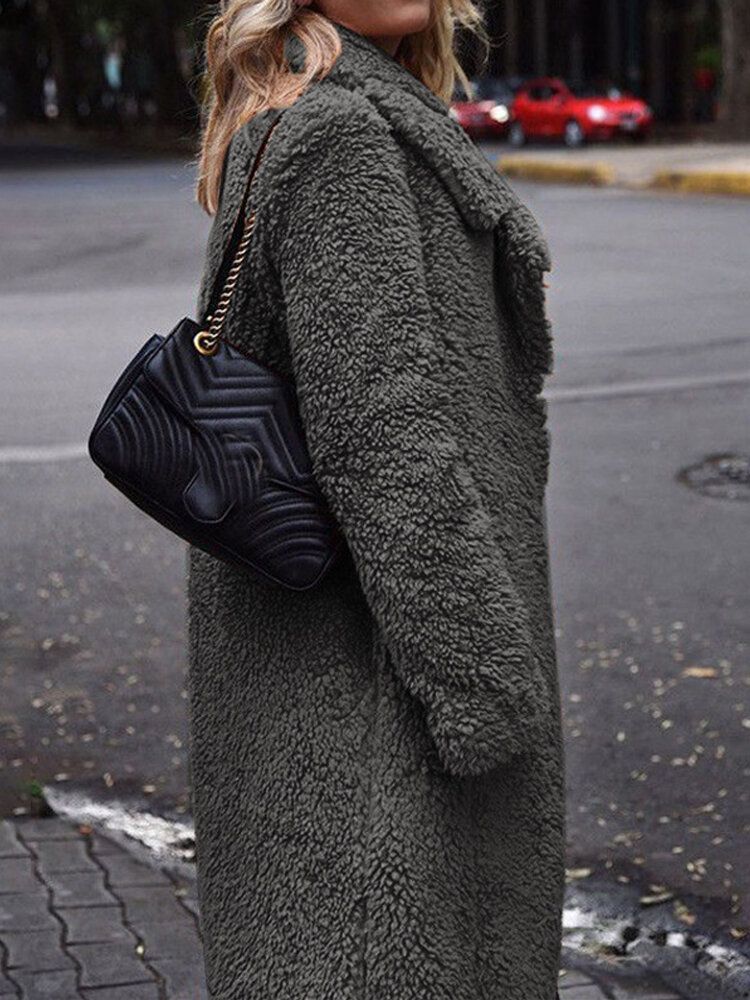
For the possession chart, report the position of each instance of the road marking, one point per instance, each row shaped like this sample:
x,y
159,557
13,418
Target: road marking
x,y
40,454
650,387
29,454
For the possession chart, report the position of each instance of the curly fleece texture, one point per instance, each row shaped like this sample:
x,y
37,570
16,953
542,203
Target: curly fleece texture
x,y
376,763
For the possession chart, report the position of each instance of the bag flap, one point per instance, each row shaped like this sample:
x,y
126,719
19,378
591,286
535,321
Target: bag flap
x,y
229,396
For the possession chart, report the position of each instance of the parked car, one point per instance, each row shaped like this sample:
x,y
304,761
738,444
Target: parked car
x,y
549,108
487,113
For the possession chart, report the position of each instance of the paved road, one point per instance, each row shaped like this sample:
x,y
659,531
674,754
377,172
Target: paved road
x,y
650,302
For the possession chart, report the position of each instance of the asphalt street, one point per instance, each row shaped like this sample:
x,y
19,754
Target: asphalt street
x,y
650,303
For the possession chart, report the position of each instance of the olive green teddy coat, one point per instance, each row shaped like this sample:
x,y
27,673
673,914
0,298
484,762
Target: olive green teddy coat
x,y
376,762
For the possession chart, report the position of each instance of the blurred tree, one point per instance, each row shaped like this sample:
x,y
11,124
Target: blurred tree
x,y
21,68
153,30
734,106
59,20
155,27
13,13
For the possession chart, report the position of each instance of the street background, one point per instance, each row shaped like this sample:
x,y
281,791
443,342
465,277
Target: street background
x,y
648,517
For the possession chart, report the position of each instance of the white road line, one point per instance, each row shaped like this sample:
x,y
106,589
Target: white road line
x,y
649,387
39,454
29,454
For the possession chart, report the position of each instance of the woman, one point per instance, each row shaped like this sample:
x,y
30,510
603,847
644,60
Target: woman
x,y
377,762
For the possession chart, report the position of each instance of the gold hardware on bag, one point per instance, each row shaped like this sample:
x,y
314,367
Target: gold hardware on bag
x,y
205,343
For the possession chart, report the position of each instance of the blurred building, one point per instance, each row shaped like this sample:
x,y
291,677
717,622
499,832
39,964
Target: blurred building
x,y
666,51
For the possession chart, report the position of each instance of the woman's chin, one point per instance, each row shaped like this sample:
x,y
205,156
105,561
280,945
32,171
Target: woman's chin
x,y
387,20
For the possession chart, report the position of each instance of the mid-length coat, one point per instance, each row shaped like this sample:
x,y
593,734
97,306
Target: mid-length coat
x,y
376,763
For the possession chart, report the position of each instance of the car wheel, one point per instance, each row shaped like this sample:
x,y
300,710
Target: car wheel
x,y
574,135
516,135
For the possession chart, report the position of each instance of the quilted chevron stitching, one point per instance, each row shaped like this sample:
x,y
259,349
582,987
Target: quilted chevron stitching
x,y
195,447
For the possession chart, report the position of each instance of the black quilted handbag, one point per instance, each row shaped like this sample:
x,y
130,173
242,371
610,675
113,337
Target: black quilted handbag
x,y
210,443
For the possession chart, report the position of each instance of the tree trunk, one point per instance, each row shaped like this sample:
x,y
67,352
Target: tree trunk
x,y
734,105
22,57
62,29
176,107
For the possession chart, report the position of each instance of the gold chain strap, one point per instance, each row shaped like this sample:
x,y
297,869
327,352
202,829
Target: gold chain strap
x,y
207,341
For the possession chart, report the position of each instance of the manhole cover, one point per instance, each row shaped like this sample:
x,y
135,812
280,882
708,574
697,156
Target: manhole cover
x,y
726,477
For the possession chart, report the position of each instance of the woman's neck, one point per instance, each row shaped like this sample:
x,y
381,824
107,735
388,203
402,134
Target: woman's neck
x,y
389,43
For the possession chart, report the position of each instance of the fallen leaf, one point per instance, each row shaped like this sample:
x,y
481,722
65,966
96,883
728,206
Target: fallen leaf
x,y
656,898
575,873
683,914
700,672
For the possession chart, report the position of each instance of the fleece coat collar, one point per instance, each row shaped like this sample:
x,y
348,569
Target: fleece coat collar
x,y
419,119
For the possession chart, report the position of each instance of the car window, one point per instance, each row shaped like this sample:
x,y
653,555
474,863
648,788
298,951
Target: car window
x,y
492,89
603,90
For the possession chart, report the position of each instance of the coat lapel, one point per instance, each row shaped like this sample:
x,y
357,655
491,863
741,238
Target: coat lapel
x,y
419,119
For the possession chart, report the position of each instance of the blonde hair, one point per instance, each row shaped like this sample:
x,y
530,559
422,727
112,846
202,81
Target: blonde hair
x,y
247,70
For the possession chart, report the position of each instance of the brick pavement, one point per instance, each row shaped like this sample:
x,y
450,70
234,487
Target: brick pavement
x,y
82,919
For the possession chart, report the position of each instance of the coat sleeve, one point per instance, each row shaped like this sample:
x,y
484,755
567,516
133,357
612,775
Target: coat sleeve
x,y
387,452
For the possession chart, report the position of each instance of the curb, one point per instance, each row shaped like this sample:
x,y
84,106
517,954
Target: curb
x,y
600,174
558,171
732,182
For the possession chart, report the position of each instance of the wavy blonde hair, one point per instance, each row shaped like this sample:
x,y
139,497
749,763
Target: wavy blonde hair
x,y
247,71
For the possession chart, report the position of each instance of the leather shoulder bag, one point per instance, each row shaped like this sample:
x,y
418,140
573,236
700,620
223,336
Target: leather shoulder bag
x,y
210,444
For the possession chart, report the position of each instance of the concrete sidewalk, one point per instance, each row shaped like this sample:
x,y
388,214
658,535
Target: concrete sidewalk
x,y
700,167
80,917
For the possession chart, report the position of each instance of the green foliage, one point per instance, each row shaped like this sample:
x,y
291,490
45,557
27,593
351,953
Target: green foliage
x,y
709,57
33,789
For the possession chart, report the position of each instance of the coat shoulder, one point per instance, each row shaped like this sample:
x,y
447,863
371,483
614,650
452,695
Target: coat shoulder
x,y
330,122
328,111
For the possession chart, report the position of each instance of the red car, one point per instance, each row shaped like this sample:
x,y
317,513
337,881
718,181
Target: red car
x,y
486,116
548,108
